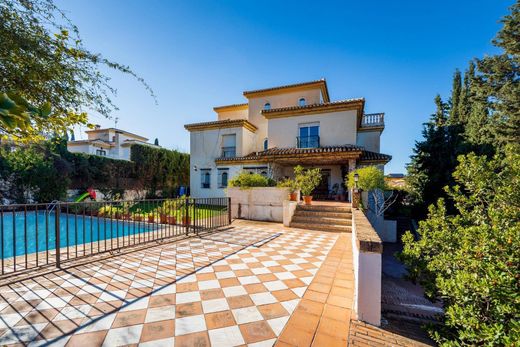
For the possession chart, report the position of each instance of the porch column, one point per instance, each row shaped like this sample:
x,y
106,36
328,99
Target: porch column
x,y
351,167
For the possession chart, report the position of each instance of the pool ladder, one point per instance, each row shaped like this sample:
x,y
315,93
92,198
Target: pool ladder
x,y
53,205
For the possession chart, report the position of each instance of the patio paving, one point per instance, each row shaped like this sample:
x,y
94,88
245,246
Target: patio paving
x,y
233,287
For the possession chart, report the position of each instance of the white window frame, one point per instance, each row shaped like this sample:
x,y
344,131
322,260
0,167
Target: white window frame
x,y
203,174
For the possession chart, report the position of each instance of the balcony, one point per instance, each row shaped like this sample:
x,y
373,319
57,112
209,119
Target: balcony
x,y
373,120
308,141
229,152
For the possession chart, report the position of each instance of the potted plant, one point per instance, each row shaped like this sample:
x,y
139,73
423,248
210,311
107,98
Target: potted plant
x,y
137,216
293,188
151,217
171,219
185,213
307,180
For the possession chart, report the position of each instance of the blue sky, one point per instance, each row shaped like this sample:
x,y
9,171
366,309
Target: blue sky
x,y
200,54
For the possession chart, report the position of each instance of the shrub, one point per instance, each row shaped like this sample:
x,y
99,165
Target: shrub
x,y
307,180
247,180
288,183
470,260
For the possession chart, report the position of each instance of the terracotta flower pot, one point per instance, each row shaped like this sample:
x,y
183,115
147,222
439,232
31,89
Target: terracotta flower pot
x,y
127,216
307,199
293,196
186,220
138,218
163,218
117,215
171,220
151,219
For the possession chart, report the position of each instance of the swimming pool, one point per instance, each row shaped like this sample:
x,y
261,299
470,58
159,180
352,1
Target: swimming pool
x,y
74,230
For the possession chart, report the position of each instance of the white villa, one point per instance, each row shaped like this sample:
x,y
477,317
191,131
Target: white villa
x,y
109,142
279,128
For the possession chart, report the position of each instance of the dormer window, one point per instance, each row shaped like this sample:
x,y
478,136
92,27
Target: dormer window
x,y
267,106
266,144
301,102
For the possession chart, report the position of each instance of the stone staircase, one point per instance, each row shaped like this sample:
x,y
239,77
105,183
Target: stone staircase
x,y
323,218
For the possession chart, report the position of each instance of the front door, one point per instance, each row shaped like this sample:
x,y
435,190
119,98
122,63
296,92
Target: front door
x,y
322,190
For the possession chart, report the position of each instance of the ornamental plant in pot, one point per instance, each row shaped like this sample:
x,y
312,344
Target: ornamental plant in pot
x,y
293,188
307,180
185,213
151,218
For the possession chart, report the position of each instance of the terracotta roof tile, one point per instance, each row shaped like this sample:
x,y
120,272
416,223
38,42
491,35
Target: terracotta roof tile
x,y
227,123
320,81
312,106
368,156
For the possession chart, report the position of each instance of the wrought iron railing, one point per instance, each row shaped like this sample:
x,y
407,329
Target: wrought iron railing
x,y
373,120
308,141
36,235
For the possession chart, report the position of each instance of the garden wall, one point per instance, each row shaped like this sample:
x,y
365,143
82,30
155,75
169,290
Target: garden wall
x,y
260,203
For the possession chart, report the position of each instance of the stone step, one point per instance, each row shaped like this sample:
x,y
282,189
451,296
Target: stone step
x,y
321,219
322,227
318,214
324,208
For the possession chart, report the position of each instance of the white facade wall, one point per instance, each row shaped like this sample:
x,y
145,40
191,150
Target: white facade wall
x,y
370,140
336,128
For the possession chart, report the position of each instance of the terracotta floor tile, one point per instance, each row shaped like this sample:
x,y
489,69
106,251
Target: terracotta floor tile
x,y
221,268
255,288
267,277
219,319
104,307
294,283
337,312
284,295
228,282
83,299
127,318
162,300
187,287
341,292
339,301
304,321
239,301
35,317
294,336
272,311
256,331
312,307
244,272
318,287
315,296
206,276
189,309
94,339
210,294
301,273
55,329
323,340
158,330
334,327
191,340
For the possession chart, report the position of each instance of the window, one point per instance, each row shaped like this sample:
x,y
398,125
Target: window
x,y
223,178
267,106
301,102
309,135
262,170
205,178
266,143
229,146
101,152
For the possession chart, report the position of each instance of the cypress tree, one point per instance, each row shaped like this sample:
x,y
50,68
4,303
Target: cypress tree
x,y
456,93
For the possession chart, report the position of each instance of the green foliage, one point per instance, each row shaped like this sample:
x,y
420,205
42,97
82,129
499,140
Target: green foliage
x,y
370,178
34,168
246,180
160,168
470,260
288,183
43,59
307,180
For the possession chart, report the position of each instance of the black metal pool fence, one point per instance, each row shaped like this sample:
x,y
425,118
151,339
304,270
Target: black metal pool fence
x,y
35,235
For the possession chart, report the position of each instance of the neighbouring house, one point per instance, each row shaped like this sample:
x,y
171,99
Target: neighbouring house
x,y
279,128
396,180
109,142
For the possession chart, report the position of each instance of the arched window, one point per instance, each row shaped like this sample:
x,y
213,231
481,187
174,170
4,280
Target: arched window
x,y
266,143
224,179
301,102
267,106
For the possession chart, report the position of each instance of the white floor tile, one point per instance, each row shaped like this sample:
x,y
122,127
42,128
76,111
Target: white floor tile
x,y
224,337
188,325
123,336
215,305
247,315
182,298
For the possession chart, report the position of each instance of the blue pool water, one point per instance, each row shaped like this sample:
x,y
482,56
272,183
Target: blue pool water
x,y
41,226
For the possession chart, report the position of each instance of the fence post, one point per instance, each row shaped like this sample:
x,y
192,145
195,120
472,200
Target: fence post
x,y
229,209
187,209
58,238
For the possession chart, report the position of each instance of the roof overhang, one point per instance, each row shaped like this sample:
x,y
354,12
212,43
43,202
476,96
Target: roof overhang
x,y
228,123
119,131
321,84
234,107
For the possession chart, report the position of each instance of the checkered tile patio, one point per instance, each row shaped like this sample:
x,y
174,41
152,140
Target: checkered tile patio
x,y
230,288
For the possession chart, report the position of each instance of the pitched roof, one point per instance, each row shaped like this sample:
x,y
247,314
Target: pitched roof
x,y
230,107
118,131
358,103
368,156
221,124
321,83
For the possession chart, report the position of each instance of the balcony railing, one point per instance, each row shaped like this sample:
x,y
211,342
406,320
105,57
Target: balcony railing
x,y
229,152
308,141
373,120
